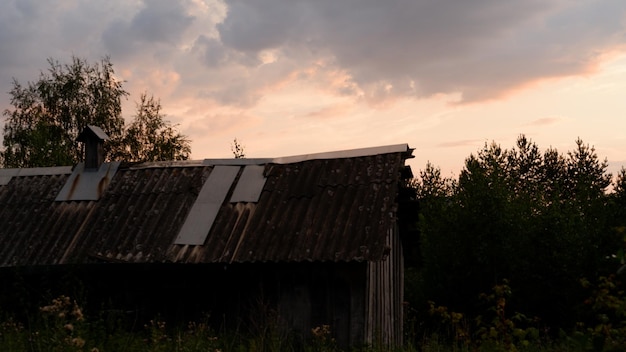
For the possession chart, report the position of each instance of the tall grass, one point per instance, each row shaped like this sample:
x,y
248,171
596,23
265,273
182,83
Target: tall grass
x,y
62,326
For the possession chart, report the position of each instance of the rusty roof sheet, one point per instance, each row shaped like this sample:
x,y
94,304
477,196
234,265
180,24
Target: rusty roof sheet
x,y
309,209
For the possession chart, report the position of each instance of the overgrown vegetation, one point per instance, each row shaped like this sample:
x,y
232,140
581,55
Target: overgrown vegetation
x,y
522,251
62,326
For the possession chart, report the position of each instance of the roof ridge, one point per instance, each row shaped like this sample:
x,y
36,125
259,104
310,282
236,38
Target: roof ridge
x,y
339,154
348,153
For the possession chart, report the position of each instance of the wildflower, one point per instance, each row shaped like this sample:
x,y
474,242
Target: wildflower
x,y
321,331
78,342
77,313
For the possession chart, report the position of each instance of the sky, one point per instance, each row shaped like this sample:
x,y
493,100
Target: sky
x,y
291,77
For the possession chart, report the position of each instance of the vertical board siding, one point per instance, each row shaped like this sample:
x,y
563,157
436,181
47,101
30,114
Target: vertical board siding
x,y
398,282
385,296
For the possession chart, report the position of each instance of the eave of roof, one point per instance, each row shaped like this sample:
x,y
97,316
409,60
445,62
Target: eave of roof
x,y
7,174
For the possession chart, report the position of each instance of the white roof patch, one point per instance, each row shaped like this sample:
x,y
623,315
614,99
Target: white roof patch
x,y
82,185
204,211
250,184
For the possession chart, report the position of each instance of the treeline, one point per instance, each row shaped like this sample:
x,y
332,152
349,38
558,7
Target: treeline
x,y
551,226
46,116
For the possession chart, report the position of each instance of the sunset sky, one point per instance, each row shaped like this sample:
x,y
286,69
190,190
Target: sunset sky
x,y
298,77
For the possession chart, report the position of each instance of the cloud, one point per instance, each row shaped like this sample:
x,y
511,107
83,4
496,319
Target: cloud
x,y
258,25
157,22
330,111
225,123
215,55
459,143
482,49
371,51
161,21
544,121
20,23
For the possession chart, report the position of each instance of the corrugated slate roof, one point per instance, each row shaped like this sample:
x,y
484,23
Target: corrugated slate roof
x,y
310,208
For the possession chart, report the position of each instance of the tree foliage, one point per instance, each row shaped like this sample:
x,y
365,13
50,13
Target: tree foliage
x,y
151,138
540,220
47,115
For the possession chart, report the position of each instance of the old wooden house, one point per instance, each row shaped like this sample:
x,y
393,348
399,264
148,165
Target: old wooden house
x,y
313,239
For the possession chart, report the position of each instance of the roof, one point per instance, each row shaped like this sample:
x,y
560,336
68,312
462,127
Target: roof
x,y
322,207
94,132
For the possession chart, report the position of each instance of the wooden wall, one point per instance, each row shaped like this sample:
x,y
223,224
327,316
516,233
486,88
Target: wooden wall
x,y
320,294
385,296
361,302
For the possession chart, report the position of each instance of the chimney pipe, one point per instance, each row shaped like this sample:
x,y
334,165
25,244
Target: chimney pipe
x,y
93,137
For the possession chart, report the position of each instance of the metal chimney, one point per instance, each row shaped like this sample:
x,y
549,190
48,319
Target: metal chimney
x,y
94,138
